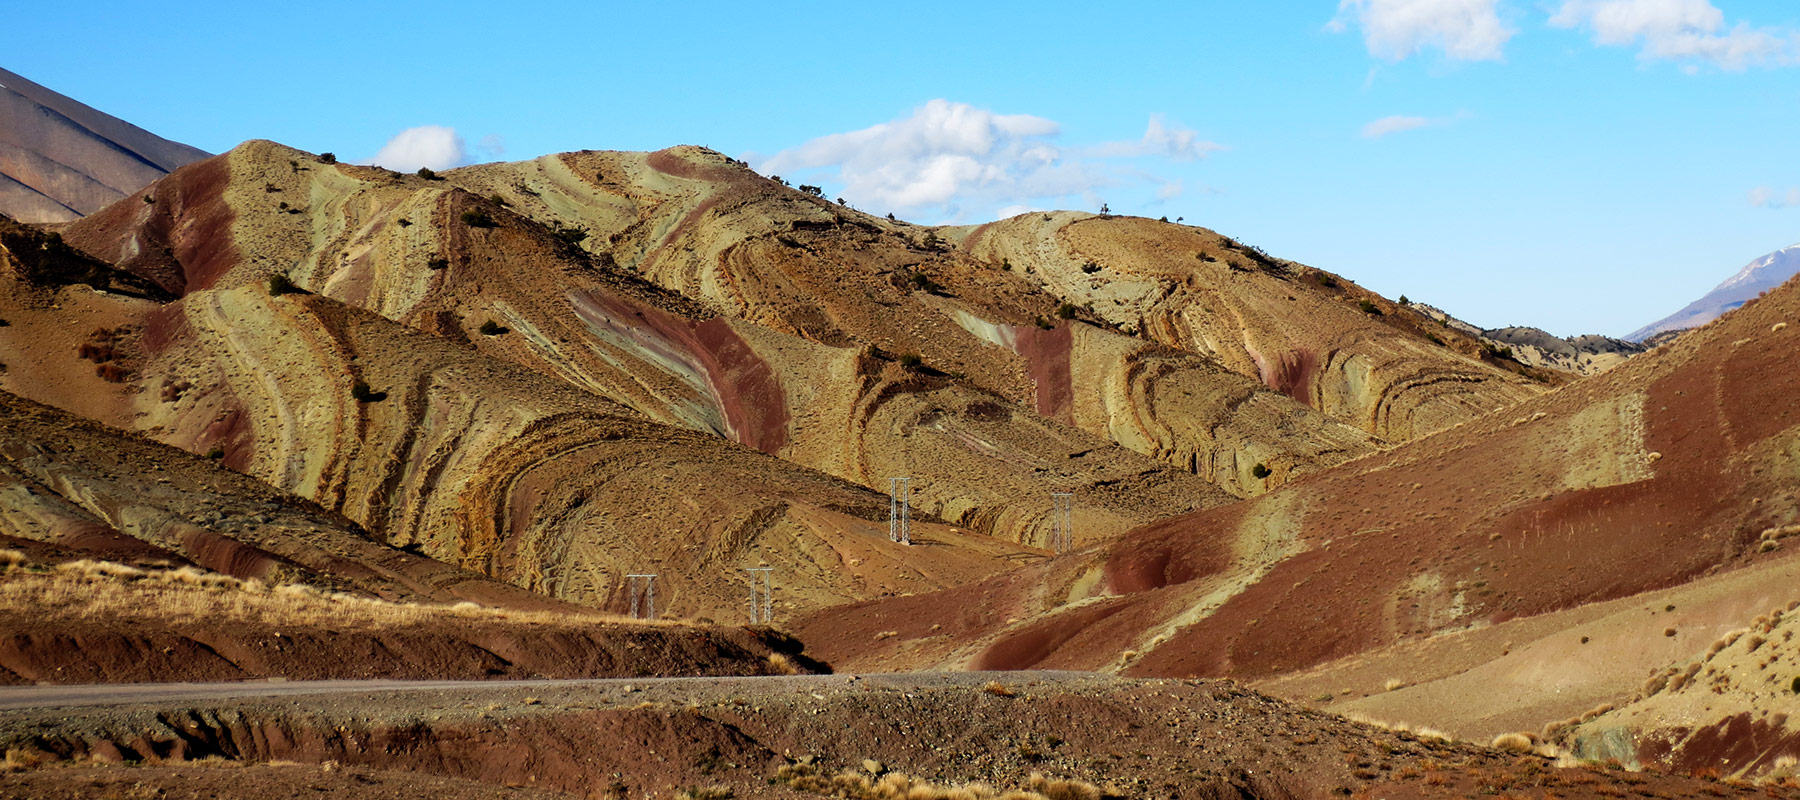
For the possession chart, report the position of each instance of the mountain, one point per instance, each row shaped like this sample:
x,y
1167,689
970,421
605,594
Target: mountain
x,y
1465,563
61,160
1581,355
1756,277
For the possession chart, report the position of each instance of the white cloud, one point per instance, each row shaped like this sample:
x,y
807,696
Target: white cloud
x,y
946,156
1766,197
1680,30
430,146
1394,124
1467,30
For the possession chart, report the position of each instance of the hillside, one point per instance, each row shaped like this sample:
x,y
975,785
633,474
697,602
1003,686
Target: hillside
x,y
61,160
1659,472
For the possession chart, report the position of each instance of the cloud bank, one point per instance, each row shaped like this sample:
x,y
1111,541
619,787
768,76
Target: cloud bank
x,y
1465,30
1679,30
945,157
428,146
1768,197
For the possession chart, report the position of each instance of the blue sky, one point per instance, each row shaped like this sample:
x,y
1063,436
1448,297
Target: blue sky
x,y
1579,165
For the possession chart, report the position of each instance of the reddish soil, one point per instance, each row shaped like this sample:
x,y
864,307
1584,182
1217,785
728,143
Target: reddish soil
x,y
136,651
180,240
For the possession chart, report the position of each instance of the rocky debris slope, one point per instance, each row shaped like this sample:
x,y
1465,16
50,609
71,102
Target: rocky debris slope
x,y
60,159
786,737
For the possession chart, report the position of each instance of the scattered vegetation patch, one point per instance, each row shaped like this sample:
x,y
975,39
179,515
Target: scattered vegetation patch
x,y
997,689
1261,471
437,263
912,361
1327,281
478,218
572,235
428,174
1090,268
1368,307
853,785
1066,310
328,158
1043,323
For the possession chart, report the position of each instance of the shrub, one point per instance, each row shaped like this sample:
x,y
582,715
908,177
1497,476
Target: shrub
x,y
912,361
403,222
812,190
1261,471
1404,301
997,689
280,284
1368,307
216,453
1044,323
1164,219
363,394
492,328
149,199
1090,268
328,158
427,174
1796,684
498,200
477,218
437,263
572,235
891,217
924,282
1066,310
1327,281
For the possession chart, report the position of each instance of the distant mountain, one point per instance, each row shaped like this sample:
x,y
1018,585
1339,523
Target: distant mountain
x,y
1588,354
1755,278
61,160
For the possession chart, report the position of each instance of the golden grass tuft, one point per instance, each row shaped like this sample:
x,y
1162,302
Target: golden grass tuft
x,y
1393,683
997,689
1513,742
854,785
780,664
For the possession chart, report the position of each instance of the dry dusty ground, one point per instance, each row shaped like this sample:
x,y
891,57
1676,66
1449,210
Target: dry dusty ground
x,y
1128,738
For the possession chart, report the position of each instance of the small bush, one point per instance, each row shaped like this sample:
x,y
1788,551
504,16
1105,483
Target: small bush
x,y
923,282
1327,281
1796,684
280,284
812,190
1513,742
1066,310
427,174
149,200
1041,322
1404,301
328,158
997,689
912,361
477,218
498,200
403,222
363,394
216,453
572,235
437,263
492,328
891,217
1090,268
1261,471
1368,307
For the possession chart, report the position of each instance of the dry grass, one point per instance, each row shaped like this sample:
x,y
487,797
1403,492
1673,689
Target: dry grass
x,y
107,591
1514,742
997,689
853,785
780,664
